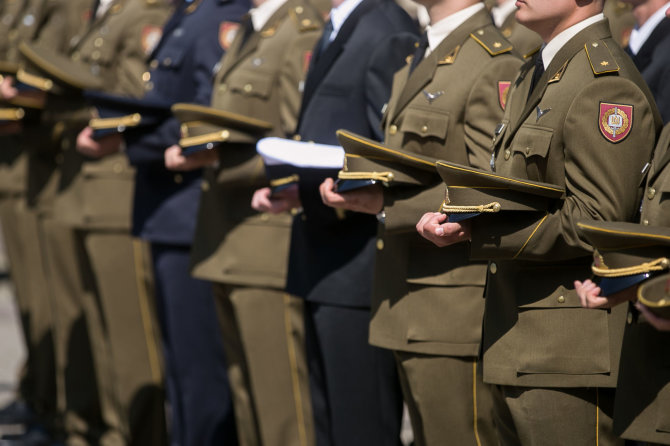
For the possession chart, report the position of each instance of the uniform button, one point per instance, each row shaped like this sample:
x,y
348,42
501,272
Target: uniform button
x,y
146,76
98,42
248,87
204,186
223,88
95,55
153,64
167,61
118,168
393,129
629,318
76,56
178,179
561,299
257,62
298,9
306,22
424,128
265,217
645,222
507,154
149,86
493,268
651,193
380,244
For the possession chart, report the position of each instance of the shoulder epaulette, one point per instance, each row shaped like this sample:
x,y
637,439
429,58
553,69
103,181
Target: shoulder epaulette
x,y
304,18
490,38
532,53
600,57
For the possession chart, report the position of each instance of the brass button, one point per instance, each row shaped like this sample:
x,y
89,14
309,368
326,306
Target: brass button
x,y
651,193
76,56
561,299
117,168
380,244
146,76
507,154
645,222
204,186
629,318
493,268
167,61
98,42
265,217
424,128
223,88
306,22
393,129
153,64
248,87
298,9
95,55
178,178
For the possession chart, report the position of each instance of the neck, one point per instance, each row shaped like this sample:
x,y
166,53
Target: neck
x,y
644,11
557,25
442,9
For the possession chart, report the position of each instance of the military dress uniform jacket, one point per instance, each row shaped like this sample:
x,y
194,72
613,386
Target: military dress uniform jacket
x,y
535,331
181,70
331,258
428,299
653,61
98,193
642,404
260,77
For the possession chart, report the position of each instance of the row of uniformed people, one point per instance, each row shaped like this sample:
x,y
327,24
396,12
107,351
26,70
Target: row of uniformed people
x,y
227,261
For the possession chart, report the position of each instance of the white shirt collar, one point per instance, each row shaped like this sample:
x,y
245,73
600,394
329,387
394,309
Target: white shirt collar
x,y
639,35
340,14
261,14
103,6
501,12
439,31
552,48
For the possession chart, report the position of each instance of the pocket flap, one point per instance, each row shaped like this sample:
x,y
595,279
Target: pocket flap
x,y
425,123
252,83
532,140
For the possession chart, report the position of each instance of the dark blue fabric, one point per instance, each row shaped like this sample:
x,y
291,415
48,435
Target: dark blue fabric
x,y
165,209
197,383
331,259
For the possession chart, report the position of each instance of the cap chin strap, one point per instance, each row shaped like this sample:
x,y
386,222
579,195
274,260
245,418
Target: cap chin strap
x,y
484,208
659,264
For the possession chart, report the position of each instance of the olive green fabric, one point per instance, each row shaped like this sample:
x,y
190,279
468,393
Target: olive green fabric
x,y
248,251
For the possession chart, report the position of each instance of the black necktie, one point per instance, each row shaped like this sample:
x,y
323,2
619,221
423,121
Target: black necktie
x,y
537,74
325,37
420,52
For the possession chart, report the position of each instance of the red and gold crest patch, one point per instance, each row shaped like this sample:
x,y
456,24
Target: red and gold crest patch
x,y
615,121
503,91
227,32
151,35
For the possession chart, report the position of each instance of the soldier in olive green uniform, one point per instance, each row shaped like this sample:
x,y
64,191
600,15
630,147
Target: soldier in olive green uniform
x,y
245,253
585,121
96,271
427,311
51,23
642,403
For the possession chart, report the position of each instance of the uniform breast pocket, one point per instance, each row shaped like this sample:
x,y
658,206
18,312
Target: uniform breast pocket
x,y
252,84
426,123
532,143
172,56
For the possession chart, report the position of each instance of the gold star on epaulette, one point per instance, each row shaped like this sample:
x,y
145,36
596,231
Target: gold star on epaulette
x,y
604,63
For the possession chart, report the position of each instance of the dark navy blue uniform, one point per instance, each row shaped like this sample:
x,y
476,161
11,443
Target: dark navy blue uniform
x,y
355,393
164,213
